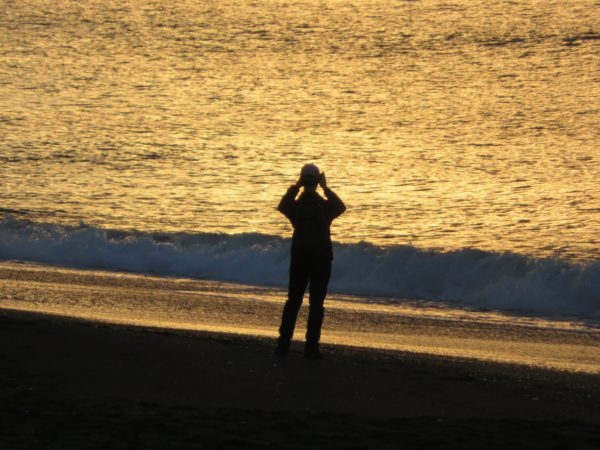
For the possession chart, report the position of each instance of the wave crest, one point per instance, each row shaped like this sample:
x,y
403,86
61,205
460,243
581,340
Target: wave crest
x,y
473,277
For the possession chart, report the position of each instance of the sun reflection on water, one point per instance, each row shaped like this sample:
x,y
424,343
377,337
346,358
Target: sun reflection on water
x,y
441,125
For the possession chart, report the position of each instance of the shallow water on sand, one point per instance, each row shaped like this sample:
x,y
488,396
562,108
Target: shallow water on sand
x,y
192,305
441,124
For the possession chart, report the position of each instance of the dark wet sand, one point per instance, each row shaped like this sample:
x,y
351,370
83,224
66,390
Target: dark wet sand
x,y
71,384
166,302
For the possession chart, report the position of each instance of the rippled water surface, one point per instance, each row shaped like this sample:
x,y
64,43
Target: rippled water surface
x,y
440,123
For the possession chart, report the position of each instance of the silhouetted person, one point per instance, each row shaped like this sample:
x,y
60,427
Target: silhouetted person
x,y
311,216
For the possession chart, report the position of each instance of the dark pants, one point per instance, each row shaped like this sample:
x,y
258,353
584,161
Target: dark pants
x,y
303,272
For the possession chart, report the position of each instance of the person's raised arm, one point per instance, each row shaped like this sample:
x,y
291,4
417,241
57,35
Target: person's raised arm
x,y
335,204
286,205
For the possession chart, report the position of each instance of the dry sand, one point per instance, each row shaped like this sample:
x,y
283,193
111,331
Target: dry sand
x,y
71,384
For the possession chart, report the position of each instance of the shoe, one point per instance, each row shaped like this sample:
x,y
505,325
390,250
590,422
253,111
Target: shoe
x,y
312,352
282,348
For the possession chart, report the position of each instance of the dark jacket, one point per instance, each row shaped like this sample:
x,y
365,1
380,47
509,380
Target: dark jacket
x,y
316,243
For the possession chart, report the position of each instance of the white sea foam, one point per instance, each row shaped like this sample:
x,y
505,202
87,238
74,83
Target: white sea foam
x,y
469,276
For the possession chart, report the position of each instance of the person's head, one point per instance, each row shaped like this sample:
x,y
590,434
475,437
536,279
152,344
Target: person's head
x,y
309,175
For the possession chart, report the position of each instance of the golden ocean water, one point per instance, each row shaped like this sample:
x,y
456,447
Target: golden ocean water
x,y
444,124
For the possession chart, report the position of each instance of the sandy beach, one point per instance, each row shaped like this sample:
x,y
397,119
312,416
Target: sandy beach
x,y
70,384
80,383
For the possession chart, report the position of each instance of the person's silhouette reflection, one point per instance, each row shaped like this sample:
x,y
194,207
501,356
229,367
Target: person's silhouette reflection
x,y
311,256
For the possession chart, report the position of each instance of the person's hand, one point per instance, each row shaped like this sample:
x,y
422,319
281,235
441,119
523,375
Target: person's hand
x,y
323,180
299,183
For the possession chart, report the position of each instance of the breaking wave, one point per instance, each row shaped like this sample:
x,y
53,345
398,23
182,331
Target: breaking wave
x,y
471,277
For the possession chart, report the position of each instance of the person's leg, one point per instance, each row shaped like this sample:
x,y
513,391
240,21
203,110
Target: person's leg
x,y
297,286
319,281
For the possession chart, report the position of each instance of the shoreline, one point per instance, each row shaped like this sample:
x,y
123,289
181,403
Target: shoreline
x,y
66,381
267,343
195,305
